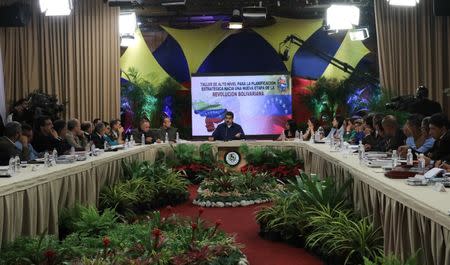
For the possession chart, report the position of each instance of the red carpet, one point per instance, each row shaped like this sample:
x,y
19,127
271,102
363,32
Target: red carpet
x,y
241,222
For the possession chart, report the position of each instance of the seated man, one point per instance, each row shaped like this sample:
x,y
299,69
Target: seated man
x,y
144,128
116,131
8,149
27,131
75,136
87,129
98,136
228,130
45,138
167,128
394,135
439,131
60,127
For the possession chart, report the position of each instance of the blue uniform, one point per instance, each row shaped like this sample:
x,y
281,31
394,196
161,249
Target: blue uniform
x,y
225,133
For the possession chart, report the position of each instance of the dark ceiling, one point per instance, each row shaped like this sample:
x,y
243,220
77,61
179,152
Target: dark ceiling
x,y
197,13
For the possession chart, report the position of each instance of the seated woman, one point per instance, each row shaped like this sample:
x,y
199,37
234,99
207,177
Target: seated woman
x,y
378,143
313,125
418,135
291,129
349,133
338,129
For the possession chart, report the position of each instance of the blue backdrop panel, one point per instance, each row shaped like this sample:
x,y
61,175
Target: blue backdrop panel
x,y
171,58
243,52
307,64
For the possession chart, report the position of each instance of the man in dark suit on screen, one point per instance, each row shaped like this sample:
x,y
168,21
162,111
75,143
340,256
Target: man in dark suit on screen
x,y
228,130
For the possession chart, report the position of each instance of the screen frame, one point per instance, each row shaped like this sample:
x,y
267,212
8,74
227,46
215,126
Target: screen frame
x,y
247,137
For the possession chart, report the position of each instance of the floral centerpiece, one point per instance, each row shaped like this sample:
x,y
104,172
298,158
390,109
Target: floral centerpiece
x,y
281,164
224,188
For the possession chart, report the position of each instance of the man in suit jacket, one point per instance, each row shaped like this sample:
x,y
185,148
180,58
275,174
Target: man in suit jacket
x,y
439,131
144,129
75,136
8,149
167,128
228,130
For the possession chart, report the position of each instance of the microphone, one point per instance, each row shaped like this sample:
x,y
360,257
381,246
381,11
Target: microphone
x,y
284,55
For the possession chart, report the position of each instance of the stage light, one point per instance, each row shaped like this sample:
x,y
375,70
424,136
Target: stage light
x,y
359,34
127,40
342,17
127,23
236,20
56,7
403,2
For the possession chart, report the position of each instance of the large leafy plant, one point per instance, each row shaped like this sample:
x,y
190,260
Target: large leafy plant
x,y
393,260
194,161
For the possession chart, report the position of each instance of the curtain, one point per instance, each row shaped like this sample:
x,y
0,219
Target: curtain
x,y
413,49
2,93
74,57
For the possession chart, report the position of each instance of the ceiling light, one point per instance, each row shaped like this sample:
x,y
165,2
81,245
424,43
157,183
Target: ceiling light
x,y
342,17
173,2
403,2
236,20
127,23
359,34
56,7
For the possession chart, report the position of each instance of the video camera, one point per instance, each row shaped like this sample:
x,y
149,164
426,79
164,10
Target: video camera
x,y
401,103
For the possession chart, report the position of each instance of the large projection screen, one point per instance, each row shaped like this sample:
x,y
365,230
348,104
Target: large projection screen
x,y
261,103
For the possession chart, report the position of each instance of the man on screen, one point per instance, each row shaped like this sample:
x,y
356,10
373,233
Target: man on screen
x,y
228,130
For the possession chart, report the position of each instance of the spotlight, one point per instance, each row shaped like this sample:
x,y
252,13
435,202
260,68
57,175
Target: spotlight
x,y
403,2
127,23
359,34
56,7
342,17
236,20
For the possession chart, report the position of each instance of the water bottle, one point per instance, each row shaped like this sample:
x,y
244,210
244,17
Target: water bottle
x,y
331,142
311,139
131,143
394,158
409,158
72,151
142,139
17,164
46,159
105,145
93,153
167,138
422,163
320,133
361,152
300,136
12,166
54,157
283,137
177,139
127,143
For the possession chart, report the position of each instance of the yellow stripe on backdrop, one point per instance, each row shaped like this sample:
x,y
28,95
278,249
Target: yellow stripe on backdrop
x,y
276,33
197,44
141,58
350,52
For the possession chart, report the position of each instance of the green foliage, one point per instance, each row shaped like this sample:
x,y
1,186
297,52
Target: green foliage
x,y
186,154
328,95
269,156
393,260
154,241
141,94
315,192
86,220
337,232
144,187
